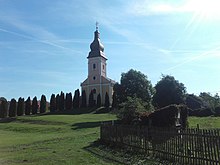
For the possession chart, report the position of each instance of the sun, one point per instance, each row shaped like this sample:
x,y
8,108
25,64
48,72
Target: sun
x,y
205,9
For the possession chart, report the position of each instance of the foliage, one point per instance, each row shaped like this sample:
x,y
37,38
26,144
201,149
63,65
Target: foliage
x,y
76,99
27,110
13,108
168,91
53,103
114,101
211,101
107,103
57,102
99,103
133,84
20,107
130,109
68,101
62,101
84,102
43,104
91,100
34,105
3,108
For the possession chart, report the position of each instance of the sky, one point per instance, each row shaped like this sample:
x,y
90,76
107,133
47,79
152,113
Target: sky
x,y
44,44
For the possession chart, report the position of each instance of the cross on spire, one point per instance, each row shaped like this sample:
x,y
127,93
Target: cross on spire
x,y
97,24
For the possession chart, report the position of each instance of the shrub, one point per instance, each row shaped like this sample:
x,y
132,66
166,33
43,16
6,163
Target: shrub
x,y
13,108
20,107
28,106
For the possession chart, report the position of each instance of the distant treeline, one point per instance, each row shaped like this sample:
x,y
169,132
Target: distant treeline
x,y
58,103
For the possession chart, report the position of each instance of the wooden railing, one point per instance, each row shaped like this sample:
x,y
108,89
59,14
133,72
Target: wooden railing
x,y
189,146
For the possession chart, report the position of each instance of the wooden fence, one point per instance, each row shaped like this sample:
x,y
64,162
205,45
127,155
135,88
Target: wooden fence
x,y
189,146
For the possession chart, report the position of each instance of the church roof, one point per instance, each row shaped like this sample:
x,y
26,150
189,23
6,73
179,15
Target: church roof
x,y
97,48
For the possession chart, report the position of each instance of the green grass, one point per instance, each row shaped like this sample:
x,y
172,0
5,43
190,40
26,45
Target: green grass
x,y
59,139
204,122
51,139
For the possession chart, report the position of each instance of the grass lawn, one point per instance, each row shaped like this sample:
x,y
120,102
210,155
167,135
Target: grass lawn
x,y
51,139
59,139
204,122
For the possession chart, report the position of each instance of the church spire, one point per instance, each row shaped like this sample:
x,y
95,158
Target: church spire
x,y
97,48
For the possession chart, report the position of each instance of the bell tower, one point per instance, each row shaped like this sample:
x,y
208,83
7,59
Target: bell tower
x,y
97,80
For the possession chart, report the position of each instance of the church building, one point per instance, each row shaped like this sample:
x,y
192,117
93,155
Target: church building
x,y
97,81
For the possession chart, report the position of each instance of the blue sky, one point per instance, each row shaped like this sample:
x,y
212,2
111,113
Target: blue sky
x,y
44,44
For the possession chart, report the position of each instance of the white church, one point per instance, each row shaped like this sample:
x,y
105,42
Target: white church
x,y
97,80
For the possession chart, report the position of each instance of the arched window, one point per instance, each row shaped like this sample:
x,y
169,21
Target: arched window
x,y
94,66
94,78
94,91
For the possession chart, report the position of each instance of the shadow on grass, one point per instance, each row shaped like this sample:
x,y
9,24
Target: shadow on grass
x,y
85,125
103,152
119,154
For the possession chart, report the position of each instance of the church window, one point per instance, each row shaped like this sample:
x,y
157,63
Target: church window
x,y
94,91
103,66
94,78
94,66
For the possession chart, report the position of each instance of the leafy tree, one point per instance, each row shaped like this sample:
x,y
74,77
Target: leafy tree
x,y
3,108
76,99
34,105
107,103
133,84
91,100
53,103
69,102
211,101
28,106
168,91
62,101
130,109
13,108
84,102
20,107
43,104
99,103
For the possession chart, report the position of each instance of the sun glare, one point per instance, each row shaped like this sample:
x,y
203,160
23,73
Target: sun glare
x,y
205,9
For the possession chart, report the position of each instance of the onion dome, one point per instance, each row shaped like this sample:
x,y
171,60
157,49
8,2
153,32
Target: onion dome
x,y
97,48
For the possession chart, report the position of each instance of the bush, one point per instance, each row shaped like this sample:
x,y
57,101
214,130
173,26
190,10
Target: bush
x,y
130,109
28,106
20,107
13,108
3,108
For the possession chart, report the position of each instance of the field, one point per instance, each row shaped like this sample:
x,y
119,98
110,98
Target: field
x,y
65,139
51,139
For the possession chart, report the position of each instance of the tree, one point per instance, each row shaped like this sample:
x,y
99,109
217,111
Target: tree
x,y
53,103
13,108
43,104
130,109
91,100
3,108
114,101
34,105
62,101
84,102
27,110
20,107
133,84
107,103
69,102
76,99
58,102
168,91
99,103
